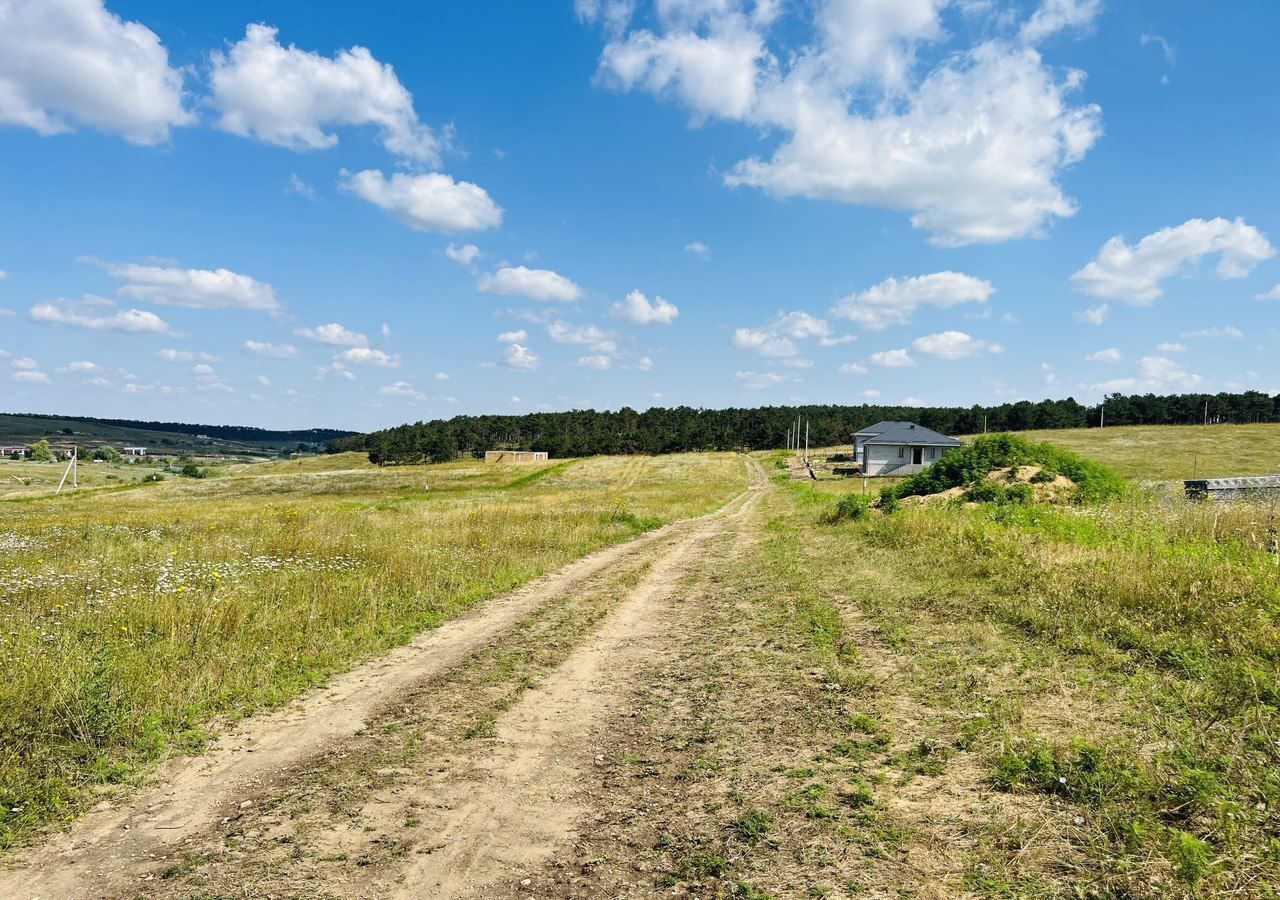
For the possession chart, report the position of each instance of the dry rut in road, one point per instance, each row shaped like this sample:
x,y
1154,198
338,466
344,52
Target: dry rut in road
x,y
110,851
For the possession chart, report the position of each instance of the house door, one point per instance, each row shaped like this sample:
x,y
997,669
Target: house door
x,y
917,455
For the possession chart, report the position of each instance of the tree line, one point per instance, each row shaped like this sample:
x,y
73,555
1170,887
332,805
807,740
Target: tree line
x,y
682,429
223,432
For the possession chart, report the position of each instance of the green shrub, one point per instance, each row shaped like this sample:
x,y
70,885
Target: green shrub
x,y
191,470
888,501
850,507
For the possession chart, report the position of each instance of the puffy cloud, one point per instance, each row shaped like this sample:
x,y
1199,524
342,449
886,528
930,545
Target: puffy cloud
x,y
698,249
1155,374
1133,273
1094,315
367,356
892,359
892,301
518,356
402,389
66,63
779,337
466,255
334,370
175,356
333,334
513,337
24,362
639,309
1171,347
1109,355
293,98
1225,333
193,288
79,367
97,314
598,361
442,376
643,364
758,381
28,376
588,335
430,202
853,369
534,284
954,345
262,380
271,351
973,149
1273,294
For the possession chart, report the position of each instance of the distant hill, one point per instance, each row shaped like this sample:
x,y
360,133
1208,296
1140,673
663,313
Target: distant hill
x,y
169,437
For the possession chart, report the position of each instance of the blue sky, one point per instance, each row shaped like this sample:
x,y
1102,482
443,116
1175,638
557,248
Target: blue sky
x,y
232,213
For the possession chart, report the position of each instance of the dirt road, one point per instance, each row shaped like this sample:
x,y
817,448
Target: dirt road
x,y
479,812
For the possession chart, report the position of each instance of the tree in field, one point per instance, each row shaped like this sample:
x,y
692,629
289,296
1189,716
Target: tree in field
x,y
40,451
107,453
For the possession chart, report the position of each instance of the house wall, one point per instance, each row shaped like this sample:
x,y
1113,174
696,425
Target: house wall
x,y
883,459
491,456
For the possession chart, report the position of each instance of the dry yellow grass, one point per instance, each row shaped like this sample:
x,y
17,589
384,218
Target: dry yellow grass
x,y
130,618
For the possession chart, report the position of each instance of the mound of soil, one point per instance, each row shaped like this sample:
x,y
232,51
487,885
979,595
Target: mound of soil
x,y
1055,490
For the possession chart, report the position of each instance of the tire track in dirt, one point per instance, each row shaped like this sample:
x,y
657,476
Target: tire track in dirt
x,y
523,802
113,847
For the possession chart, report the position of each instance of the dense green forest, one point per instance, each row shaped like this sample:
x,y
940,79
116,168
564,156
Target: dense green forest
x,y
223,432
658,430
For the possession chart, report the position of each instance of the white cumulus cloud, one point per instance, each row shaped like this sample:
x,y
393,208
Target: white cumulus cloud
x,y
639,309
779,337
518,356
97,314
69,63
270,350
1109,355
1133,273
971,148
466,255
402,389
894,300
954,345
698,249
1218,332
430,202
294,98
589,335
367,356
333,334
193,288
597,361
533,284
892,359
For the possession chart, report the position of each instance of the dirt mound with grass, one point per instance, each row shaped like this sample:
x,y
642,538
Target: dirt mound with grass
x,y
1004,468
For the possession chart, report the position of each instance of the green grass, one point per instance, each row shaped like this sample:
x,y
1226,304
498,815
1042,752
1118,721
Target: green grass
x,y
132,620
1170,452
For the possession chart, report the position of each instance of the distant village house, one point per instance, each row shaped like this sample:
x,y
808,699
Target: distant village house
x,y
899,448
134,452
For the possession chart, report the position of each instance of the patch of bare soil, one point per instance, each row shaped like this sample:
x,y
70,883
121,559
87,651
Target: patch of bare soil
x,y
150,834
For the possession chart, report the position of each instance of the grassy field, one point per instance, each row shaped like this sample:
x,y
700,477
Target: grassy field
x,y
1117,660
132,619
1166,452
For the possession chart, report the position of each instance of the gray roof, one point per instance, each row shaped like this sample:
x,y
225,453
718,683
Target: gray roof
x,y
913,435
881,428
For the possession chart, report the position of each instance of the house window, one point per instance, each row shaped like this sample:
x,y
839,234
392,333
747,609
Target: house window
x,y
931,452
902,453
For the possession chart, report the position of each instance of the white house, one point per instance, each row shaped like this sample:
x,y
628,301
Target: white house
x,y
134,452
899,448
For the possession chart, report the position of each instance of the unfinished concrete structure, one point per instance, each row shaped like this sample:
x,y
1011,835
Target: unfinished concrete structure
x,y
496,456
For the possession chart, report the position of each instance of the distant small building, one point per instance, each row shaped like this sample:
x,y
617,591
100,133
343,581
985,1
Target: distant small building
x,y
18,450
1240,488
497,456
899,448
133,452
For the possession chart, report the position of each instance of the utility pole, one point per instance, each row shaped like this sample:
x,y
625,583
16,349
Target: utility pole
x,y
1206,413
1102,422
806,442
984,423
71,470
